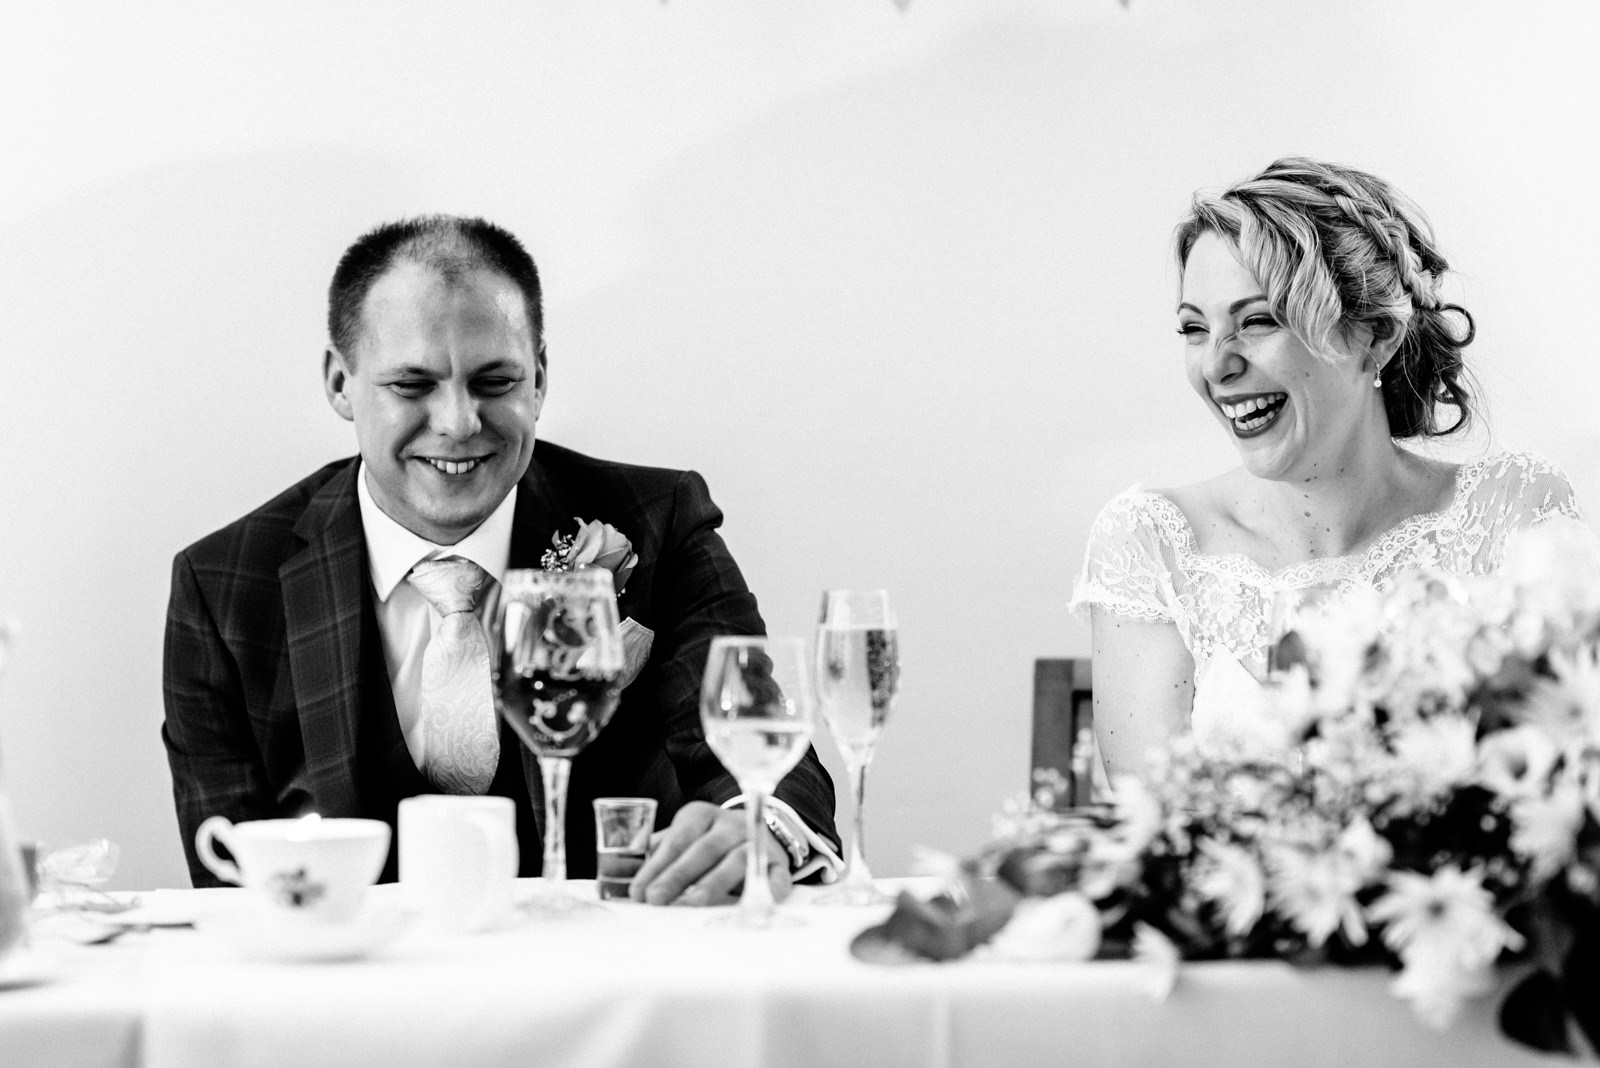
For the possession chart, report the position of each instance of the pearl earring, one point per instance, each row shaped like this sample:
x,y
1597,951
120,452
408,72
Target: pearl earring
x,y
1377,380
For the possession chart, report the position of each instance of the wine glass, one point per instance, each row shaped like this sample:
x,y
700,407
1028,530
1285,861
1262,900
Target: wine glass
x,y
756,707
858,677
557,657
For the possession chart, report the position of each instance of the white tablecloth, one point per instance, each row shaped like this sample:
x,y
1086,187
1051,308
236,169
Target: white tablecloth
x,y
640,986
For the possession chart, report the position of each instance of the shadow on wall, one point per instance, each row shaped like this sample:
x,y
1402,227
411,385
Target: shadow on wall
x,y
162,339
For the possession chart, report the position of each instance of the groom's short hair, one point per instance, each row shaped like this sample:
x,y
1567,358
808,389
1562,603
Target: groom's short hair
x,y
449,244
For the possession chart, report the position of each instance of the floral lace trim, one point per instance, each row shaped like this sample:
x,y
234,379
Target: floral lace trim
x,y
1364,564
1093,595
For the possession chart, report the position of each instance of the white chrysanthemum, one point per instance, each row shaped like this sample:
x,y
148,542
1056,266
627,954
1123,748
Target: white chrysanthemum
x,y
1567,706
1487,650
1367,852
1316,893
1232,878
1139,812
1063,927
1450,908
1435,755
1517,761
1544,829
1447,934
1108,866
1160,958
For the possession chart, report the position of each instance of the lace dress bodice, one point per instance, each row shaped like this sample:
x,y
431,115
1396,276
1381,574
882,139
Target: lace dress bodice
x,y
1142,562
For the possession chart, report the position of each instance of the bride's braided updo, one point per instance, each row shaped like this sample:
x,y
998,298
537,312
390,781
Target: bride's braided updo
x,y
1334,248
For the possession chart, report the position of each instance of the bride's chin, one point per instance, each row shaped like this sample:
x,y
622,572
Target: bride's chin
x,y
1269,464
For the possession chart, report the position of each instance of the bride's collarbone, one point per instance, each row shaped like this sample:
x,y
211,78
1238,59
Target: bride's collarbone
x,y
1229,519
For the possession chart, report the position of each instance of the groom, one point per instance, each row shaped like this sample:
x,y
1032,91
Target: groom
x,y
298,674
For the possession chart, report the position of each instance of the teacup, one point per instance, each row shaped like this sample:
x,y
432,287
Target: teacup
x,y
458,860
309,868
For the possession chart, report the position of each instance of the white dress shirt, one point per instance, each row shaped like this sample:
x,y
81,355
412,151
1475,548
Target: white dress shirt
x,y
406,620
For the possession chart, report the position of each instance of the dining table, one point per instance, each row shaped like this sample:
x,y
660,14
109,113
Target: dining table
x,y
198,979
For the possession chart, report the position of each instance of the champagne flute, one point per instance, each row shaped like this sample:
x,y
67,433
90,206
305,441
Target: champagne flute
x,y
557,659
858,677
756,707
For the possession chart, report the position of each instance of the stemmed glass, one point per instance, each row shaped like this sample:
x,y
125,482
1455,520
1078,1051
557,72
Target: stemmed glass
x,y
557,658
757,710
1292,609
858,677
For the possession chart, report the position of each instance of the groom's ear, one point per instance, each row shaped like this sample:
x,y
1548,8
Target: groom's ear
x,y
541,380
335,381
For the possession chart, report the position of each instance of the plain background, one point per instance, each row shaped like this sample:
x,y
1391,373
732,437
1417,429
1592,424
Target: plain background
x,y
897,284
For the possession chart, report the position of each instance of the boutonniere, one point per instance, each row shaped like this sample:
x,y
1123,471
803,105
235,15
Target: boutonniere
x,y
595,544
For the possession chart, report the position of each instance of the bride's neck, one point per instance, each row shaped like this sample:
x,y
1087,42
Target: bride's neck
x,y
1343,503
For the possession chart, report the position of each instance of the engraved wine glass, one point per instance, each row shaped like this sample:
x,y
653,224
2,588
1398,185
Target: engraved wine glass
x,y
557,659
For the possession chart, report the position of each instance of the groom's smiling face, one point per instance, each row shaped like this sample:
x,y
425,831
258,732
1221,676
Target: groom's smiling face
x,y
444,389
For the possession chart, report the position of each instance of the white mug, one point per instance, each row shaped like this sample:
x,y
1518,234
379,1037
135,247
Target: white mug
x,y
458,860
310,868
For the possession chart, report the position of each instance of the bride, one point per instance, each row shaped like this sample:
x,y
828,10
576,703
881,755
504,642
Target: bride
x,y
1314,333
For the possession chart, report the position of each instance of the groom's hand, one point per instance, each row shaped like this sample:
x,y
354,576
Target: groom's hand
x,y
700,859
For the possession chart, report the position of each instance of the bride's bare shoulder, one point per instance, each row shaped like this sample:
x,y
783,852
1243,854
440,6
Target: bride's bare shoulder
x,y
1206,504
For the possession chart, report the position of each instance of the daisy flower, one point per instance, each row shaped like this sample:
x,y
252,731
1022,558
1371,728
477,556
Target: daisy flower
x,y
1568,706
1448,910
1517,761
1448,937
1232,878
1316,892
1544,829
1435,755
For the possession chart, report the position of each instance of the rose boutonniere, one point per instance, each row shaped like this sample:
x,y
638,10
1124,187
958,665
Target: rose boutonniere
x,y
595,544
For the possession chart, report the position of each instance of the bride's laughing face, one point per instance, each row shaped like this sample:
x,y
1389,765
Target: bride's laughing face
x,y
1288,411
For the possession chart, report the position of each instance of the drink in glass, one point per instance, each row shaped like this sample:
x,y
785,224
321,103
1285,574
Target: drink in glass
x,y
858,678
557,657
756,708
622,827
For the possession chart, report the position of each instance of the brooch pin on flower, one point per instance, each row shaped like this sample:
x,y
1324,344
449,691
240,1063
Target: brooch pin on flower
x,y
594,544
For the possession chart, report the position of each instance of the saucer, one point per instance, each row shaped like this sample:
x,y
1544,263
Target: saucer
x,y
258,936
26,967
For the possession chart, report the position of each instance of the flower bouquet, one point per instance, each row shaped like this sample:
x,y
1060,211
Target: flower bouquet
x,y
1436,809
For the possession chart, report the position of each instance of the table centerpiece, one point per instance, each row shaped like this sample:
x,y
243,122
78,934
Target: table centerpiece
x,y
1435,807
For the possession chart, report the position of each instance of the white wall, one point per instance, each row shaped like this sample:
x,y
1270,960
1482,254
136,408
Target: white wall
x,y
896,284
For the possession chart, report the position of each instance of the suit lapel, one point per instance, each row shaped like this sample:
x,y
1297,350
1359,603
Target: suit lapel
x,y
323,600
544,507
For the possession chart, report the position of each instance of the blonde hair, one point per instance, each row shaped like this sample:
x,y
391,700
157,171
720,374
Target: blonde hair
x,y
1336,248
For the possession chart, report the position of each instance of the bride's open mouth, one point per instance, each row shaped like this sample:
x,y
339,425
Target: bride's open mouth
x,y
1253,415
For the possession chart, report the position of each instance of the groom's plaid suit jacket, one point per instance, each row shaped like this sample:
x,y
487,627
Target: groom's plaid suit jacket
x,y
270,625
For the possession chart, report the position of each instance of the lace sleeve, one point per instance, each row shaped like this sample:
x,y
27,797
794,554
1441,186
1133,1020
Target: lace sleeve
x,y
1126,568
1515,491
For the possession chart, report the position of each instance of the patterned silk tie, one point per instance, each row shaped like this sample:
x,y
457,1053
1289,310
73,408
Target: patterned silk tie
x,y
461,739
